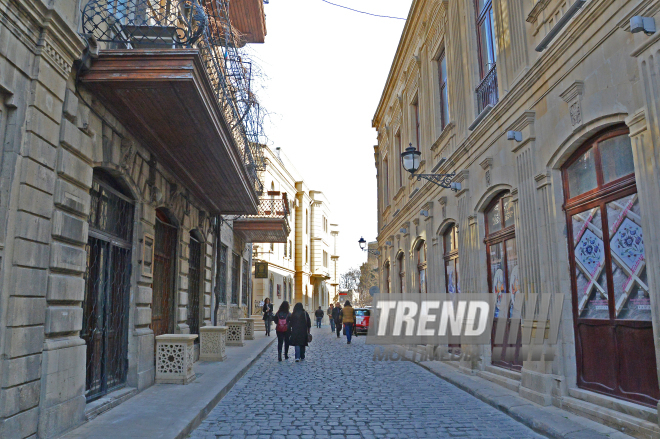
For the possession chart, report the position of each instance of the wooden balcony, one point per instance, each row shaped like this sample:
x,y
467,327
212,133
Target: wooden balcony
x,y
270,224
247,16
166,100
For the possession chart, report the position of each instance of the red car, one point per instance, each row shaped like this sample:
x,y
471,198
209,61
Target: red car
x,y
362,320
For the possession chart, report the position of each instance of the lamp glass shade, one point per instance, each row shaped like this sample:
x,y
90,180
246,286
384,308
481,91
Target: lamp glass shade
x,y
362,243
410,159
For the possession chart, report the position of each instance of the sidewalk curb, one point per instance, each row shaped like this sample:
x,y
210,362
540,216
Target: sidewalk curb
x,y
539,419
197,420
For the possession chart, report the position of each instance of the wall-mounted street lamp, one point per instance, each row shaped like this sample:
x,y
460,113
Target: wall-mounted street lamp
x,y
363,246
410,160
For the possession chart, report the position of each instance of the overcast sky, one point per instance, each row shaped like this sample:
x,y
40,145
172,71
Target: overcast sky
x,y
326,68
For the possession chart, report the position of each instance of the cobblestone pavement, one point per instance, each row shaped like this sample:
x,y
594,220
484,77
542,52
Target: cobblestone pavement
x,y
338,391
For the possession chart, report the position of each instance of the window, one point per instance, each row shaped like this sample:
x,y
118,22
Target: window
x,y
235,278
397,139
306,221
452,284
272,247
306,255
487,93
417,126
325,258
421,266
402,273
387,277
246,279
386,183
222,274
444,98
285,249
503,273
290,250
290,291
271,287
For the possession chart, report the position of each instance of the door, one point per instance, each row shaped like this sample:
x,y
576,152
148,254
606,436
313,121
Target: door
x,y
162,318
107,287
194,281
503,274
615,353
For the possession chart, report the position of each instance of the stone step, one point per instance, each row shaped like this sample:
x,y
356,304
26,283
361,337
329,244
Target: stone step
x,y
507,373
500,379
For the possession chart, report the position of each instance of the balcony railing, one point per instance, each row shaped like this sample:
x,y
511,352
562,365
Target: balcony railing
x,y
272,208
487,90
270,224
200,24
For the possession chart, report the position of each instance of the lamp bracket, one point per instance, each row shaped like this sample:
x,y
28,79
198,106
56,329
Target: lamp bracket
x,y
443,180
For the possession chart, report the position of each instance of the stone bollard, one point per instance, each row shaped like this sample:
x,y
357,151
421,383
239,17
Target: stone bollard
x,y
249,327
235,332
174,358
212,342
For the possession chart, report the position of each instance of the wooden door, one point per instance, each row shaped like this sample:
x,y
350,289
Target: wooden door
x,y
615,352
162,311
194,282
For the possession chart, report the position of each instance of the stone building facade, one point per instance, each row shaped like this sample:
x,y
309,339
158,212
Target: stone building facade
x,y
298,269
570,206
105,243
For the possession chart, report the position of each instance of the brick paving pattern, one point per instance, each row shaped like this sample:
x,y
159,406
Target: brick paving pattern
x,y
311,399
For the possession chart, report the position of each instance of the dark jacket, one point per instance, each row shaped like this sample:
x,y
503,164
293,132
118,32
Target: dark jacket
x,y
268,311
336,315
319,314
282,315
299,329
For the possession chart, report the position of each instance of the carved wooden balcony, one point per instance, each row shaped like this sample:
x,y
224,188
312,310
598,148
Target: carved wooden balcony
x,y
270,224
248,17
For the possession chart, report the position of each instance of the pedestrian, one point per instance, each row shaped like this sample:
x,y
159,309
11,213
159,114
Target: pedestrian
x,y
267,309
336,315
331,318
348,318
299,325
282,330
319,316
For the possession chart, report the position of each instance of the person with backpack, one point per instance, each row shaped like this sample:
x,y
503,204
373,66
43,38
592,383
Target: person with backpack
x,y
336,316
299,325
282,330
319,316
331,313
348,318
267,309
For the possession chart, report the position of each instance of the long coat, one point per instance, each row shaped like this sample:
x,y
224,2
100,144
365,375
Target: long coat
x,y
299,329
268,311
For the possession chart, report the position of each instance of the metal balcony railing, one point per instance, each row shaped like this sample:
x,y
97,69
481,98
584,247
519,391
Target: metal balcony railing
x,y
487,91
200,24
272,208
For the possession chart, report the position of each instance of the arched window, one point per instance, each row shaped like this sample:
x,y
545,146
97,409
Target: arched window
x,y
450,242
402,274
387,277
503,270
420,253
611,297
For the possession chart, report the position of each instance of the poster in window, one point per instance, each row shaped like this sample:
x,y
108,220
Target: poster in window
x,y
261,270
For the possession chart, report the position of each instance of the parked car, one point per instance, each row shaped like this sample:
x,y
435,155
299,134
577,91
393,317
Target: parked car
x,y
362,316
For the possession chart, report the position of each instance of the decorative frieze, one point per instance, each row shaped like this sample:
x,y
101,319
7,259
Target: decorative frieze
x,y
174,358
573,97
212,343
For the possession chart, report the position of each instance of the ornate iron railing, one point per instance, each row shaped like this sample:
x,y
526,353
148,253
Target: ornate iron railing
x,y
272,208
201,24
487,91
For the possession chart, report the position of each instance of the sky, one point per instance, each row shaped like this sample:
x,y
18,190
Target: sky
x,y
324,70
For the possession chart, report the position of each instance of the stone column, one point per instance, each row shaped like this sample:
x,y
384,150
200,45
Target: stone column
x,y
212,343
175,358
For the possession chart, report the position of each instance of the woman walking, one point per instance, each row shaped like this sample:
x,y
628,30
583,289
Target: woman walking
x,y
348,318
300,325
268,315
282,330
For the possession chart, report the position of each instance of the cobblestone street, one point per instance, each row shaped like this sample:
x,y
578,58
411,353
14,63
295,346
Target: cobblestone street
x,y
340,392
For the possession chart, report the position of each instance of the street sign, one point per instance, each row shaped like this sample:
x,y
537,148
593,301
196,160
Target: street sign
x,y
374,290
261,270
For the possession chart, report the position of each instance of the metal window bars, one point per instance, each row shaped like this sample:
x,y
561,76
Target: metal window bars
x,y
201,24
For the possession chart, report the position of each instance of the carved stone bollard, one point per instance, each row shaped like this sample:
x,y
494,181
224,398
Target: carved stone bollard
x,y
212,343
235,332
175,358
249,327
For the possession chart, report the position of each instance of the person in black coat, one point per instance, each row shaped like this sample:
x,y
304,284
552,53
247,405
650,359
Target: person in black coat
x,y
282,330
268,314
336,316
299,325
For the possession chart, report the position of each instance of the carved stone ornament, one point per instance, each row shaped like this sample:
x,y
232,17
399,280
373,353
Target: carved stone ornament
x,y
212,343
175,358
573,97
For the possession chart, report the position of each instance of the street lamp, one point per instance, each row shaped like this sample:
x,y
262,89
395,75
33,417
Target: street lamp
x,y
363,246
410,160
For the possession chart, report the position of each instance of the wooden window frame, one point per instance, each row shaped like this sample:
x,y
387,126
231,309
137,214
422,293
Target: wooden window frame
x,y
481,16
421,266
500,236
443,85
450,256
402,273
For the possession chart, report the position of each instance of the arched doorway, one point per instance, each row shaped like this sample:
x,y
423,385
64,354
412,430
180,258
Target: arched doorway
x,y
611,305
162,310
503,274
107,286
